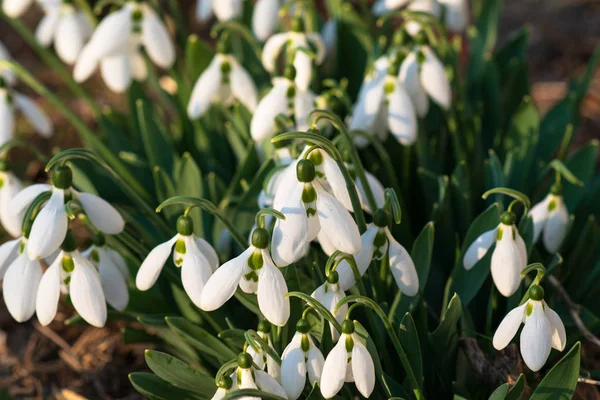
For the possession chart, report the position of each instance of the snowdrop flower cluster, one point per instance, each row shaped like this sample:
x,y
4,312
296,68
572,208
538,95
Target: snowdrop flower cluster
x,y
248,377
224,10
456,12
116,42
329,295
261,358
542,331
550,220
509,257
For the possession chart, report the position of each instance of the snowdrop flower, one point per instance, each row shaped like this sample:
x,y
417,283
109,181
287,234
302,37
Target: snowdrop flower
x,y
298,42
71,271
15,8
51,224
196,257
67,27
224,10
226,385
112,270
384,104
119,70
309,210
550,218
249,377
261,358
116,40
509,257
265,18
283,159
255,272
283,98
543,330
348,361
431,7
423,75
10,101
300,357
10,185
9,251
224,81
456,14
7,74
329,295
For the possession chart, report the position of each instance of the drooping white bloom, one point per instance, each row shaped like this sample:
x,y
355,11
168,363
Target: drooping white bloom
x,y
7,74
15,8
21,281
282,158
431,7
224,81
283,98
10,185
119,70
309,210
196,257
224,10
543,331
384,104
348,361
9,251
550,221
67,28
329,295
248,377
265,18
508,259
262,358
74,272
11,101
254,272
423,75
300,44
113,273
227,385
51,224
300,358
117,39
456,14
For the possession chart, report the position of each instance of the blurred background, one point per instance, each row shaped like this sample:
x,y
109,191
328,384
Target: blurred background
x,y
80,362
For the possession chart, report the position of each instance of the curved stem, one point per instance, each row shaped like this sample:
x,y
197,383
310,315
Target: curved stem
x,y
512,193
318,307
234,26
256,341
224,369
259,220
33,210
562,170
14,143
539,268
392,200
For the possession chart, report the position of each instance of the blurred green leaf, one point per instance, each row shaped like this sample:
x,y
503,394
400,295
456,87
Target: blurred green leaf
x,y
188,179
500,393
561,381
516,391
198,56
155,388
583,165
444,341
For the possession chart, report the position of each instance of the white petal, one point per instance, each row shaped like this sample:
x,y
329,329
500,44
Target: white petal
x,y
337,222
267,383
116,72
195,271
222,284
325,242
246,380
20,287
70,37
48,292
556,227
119,262
204,10
265,18
363,259
507,263
272,48
271,292
86,64
206,89
274,103
15,8
401,117
376,188
137,66
334,370
111,35
456,14
536,338
11,186
208,252
86,292
539,215
258,358
293,372
559,335
303,65
49,228
7,118
25,197
508,327
153,264
369,104
156,39
334,177
8,254
402,267
384,6
477,250
7,74
409,76
304,104
290,235
45,30
363,369
34,114
227,9
314,363
329,33
242,86
113,283
102,214
434,79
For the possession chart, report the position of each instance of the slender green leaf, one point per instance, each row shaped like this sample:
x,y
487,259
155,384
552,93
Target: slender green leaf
x,y
560,382
155,388
200,339
409,337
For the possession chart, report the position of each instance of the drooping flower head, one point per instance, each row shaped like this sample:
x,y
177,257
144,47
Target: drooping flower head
x,y
261,358
550,220
224,10
10,185
329,295
248,377
265,18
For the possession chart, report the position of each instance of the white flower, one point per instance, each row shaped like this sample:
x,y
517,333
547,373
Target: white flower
x,y
51,224
248,377
309,210
283,98
255,272
261,358
543,330
227,385
224,81
300,43
9,251
348,361
431,7
300,358
10,185
15,8
7,74
196,257
282,158
67,27
118,37
10,101
73,271
550,218
119,70
224,10
265,18
329,295
113,273
508,259
423,74
21,282
456,14
384,104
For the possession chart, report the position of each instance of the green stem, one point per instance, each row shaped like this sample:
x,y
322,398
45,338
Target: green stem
x,y
13,143
318,307
87,11
254,339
